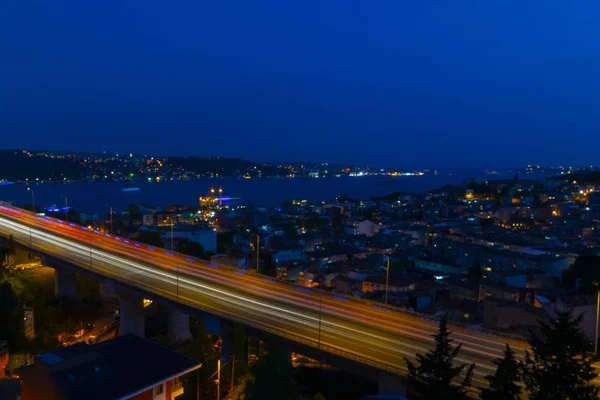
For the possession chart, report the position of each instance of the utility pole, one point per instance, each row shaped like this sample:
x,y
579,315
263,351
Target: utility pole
x,y
257,252
172,247
219,379
32,200
597,315
176,265
232,374
198,384
320,308
33,211
387,279
111,217
66,210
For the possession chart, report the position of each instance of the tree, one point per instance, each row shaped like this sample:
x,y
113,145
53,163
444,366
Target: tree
x,y
147,237
134,211
504,384
584,274
10,318
250,208
433,377
11,245
474,271
286,205
272,376
561,366
193,249
337,224
224,241
135,214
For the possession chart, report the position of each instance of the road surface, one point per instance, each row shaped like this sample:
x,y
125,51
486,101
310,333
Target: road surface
x,y
365,332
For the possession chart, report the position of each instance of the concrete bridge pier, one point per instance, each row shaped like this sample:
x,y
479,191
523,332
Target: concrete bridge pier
x,y
227,345
131,315
234,342
179,326
108,289
64,283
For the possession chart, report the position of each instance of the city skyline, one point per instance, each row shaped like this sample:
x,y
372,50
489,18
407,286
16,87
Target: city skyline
x,y
429,87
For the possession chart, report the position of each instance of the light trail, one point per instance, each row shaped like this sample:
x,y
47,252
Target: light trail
x,y
354,328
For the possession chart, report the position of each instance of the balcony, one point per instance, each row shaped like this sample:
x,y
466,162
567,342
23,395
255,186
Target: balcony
x,y
176,388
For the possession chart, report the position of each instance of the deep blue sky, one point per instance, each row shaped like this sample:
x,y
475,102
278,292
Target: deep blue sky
x,y
395,83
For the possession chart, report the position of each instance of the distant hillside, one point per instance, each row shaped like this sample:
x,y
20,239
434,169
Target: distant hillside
x,y
17,165
587,178
20,165
223,166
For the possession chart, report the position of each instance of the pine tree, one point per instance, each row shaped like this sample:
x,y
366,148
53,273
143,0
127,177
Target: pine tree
x,y
561,365
433,377
504,384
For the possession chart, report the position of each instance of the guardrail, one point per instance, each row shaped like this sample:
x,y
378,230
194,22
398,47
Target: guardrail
x,y
355,299
168,295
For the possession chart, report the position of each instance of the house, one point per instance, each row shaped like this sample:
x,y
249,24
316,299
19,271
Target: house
x,y
511,278
438,264
10,389
289,271
462,288
580,305
323,257
3,358
205,236
420,300
345,285
148,219
502,291
234,259
288,254
397,283
126,367
511,317
368,228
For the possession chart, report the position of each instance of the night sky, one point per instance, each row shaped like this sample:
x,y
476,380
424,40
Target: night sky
x,y
393,83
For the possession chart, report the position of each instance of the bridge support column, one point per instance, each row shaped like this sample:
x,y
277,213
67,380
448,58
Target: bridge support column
x,y
391,384
64,283
234,343
179,326
108,290
227,345
132,315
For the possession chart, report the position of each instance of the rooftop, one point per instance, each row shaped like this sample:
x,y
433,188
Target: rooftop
x,y
119,368
10,388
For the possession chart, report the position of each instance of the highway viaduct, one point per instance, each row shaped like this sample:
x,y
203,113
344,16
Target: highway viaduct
x,y
132,320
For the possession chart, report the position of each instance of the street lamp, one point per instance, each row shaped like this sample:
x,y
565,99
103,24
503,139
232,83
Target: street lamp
x,y
257,252
33,211
172,224
218,382
111,218
176,265
597,315
320,307
66,209
32,199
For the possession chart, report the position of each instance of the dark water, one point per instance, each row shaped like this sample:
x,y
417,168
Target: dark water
x,y
96,196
